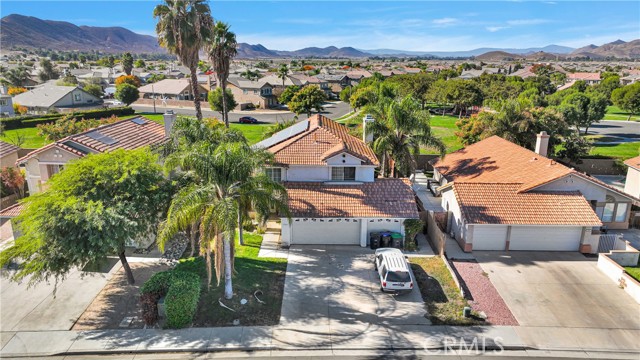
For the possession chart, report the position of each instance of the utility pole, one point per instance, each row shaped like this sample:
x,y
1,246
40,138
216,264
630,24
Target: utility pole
x,y
154,98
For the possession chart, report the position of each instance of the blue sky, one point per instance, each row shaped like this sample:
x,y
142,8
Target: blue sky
x,y
416,25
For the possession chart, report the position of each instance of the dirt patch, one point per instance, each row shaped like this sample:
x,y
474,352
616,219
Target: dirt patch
x,y
118,300
483,295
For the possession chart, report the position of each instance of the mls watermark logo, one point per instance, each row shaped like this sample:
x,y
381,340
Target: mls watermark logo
x,y
449,345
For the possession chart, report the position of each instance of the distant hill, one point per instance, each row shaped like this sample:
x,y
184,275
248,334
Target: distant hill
x,y
31,32
617,49
498,56
543,56
556,49
247,51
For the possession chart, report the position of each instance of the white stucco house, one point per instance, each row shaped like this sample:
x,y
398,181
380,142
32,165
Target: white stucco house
x,y
500,196
632,184
333,195
48,97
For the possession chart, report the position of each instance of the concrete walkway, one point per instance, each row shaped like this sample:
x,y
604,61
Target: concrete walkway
x,y
423,193
271,246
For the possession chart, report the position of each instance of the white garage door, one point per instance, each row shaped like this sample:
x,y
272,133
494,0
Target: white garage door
x,y
489,237
545,238
330,233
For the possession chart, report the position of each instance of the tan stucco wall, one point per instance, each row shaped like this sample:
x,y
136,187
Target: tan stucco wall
x,y
35,167
9,160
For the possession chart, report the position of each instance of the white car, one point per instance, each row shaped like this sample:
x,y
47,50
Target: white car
x,y
393,271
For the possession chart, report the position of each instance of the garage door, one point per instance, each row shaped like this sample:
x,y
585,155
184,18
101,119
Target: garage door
x,y
489,237
545,238
330,233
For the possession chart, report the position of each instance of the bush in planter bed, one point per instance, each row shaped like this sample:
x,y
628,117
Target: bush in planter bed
x,y
181,290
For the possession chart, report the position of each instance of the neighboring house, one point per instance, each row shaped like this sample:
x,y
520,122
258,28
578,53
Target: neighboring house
x,y
47,97
171,89
355,76
470,74
128,134
630,79
632,184
8,154
500,196
412,70
333,195
6,106
589,78
276,81
313,80
258,93
524,73
336,82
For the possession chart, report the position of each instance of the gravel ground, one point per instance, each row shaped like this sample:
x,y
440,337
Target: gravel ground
x,y
484,294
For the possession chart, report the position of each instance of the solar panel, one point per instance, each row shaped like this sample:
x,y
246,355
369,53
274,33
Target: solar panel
x,y
139,121
98,136
283,135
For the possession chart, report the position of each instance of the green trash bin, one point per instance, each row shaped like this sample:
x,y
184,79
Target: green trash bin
x,y
396,240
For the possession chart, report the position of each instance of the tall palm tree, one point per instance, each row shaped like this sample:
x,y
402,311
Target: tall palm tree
x,y
283,71
221,49
400,129
228,175
183,27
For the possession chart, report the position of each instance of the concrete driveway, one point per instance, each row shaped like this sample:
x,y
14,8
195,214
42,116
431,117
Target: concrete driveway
x,y
337,285
559,289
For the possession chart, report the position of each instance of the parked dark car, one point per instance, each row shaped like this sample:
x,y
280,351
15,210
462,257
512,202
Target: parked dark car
x,y
248,120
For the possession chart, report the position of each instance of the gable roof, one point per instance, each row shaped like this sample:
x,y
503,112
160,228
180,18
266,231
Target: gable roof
x,y
496,160
502,204
583,76
167,86
633,163
384,198
6,148
322,139
46,95
243,83
125,134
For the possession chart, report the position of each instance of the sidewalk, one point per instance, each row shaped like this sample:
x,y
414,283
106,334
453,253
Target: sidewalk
x,y
345,337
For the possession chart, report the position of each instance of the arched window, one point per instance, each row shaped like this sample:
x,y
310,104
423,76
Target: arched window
x,y
614,211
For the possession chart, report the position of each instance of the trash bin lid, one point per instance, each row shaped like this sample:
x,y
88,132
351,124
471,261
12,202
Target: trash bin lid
x,y
396,235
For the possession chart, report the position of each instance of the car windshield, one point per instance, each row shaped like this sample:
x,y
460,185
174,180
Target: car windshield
x,y
398,276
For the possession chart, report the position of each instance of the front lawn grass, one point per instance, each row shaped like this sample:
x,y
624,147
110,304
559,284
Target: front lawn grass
x,y
615,113
621,151
441,295
251,274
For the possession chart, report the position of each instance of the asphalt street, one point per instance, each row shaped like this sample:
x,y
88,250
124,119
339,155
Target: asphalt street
x,y
624,129
332,110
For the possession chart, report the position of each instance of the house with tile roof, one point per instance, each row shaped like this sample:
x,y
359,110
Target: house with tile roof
x,y
257,93
127,134
501,196
333,194
8,154
632,183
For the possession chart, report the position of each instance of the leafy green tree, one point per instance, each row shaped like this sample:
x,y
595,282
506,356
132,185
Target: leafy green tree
x,y
127,93
288,94
607,86
586,109
574,148
47,72
400,129
127,63
183,28
17,77
139,63
462,94
216,102
250,74
628,98
221,49
307,99
91,209
345,94
155,78
416,85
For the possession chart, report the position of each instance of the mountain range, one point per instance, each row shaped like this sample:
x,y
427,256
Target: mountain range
x,y
31,32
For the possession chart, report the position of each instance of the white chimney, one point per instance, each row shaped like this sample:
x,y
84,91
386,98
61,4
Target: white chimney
x,y
169,118
542,143
367,135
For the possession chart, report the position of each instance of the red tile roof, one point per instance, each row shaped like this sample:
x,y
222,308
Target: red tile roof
x,y
503,204
633,162
583,76
11,211
384,198
126,134
321,140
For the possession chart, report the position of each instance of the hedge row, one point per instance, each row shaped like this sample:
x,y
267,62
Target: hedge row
x,y
21,122
181,290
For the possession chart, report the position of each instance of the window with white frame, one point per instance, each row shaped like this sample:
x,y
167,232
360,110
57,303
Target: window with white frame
x,y
614,211
274,173
343,173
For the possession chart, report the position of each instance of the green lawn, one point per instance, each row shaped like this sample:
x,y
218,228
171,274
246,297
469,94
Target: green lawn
x,y
444,128
439,292
634,271
615,113
26,138
251,274
622,151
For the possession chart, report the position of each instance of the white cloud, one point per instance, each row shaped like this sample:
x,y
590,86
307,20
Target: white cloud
x,y
496,28
520,22
445,21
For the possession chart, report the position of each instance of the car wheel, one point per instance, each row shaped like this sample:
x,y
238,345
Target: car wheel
x,y
381,289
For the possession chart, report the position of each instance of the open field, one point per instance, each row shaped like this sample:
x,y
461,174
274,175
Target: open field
x,y
615,113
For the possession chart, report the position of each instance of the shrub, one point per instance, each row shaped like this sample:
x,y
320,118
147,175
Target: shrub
x,y
127,93
19,109
194,265
128,79
31,121
181,290
69,126
13,91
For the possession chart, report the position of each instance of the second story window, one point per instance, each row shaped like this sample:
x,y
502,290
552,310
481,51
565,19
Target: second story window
x,y
343,173
77,97
274,173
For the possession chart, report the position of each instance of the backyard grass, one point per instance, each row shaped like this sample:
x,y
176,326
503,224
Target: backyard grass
x,y
621,151
615,113
444,128
634,271
251,274
441,296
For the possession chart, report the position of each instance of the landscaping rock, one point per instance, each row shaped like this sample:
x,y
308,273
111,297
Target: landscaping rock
x,y
174,249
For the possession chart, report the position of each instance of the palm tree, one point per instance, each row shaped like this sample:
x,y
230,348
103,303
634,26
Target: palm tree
x,y
228,176
221,49
183,27
400,129
17,77
283,71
